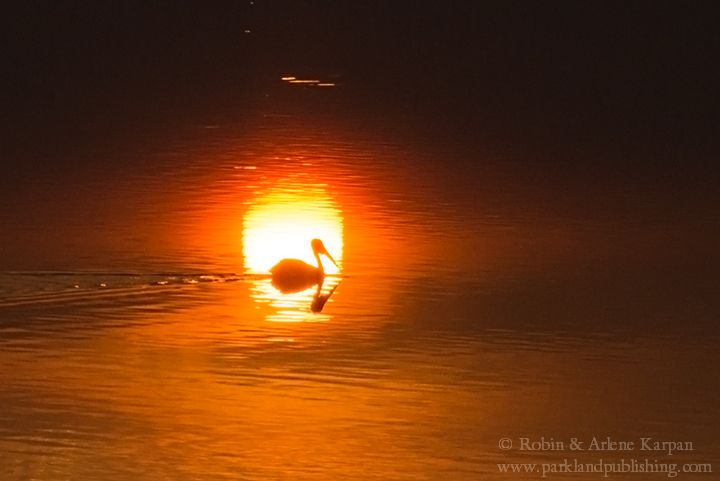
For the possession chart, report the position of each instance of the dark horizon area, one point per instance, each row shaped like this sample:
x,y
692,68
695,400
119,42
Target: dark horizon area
x,y
626,82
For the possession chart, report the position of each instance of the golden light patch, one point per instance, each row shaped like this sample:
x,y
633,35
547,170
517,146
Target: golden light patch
x,y
282,223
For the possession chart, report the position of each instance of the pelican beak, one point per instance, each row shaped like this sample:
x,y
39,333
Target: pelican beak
x,y
330,257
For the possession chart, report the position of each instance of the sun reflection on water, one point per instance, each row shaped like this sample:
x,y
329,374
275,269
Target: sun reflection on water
x,y
293,307
280,224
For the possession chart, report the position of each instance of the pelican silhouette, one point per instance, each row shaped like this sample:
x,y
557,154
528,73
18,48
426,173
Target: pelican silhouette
x,y
294,275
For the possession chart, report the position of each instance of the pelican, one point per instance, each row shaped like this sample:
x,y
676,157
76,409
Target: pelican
x,y
294,275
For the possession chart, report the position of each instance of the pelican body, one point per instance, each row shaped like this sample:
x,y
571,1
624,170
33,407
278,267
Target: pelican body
x,y
294,275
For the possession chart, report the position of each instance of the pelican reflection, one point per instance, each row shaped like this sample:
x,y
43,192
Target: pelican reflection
x,y
319,300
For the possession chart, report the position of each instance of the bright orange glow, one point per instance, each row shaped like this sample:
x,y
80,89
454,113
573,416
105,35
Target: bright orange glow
x,y
290,307
282,223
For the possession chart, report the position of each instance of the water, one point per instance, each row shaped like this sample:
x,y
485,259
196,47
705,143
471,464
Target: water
x,y
482,296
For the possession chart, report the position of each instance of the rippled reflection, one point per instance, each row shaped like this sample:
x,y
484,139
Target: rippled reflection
x,y
280,224
304,306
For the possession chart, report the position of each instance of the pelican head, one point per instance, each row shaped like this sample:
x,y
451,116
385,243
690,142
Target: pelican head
x,y
319,248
